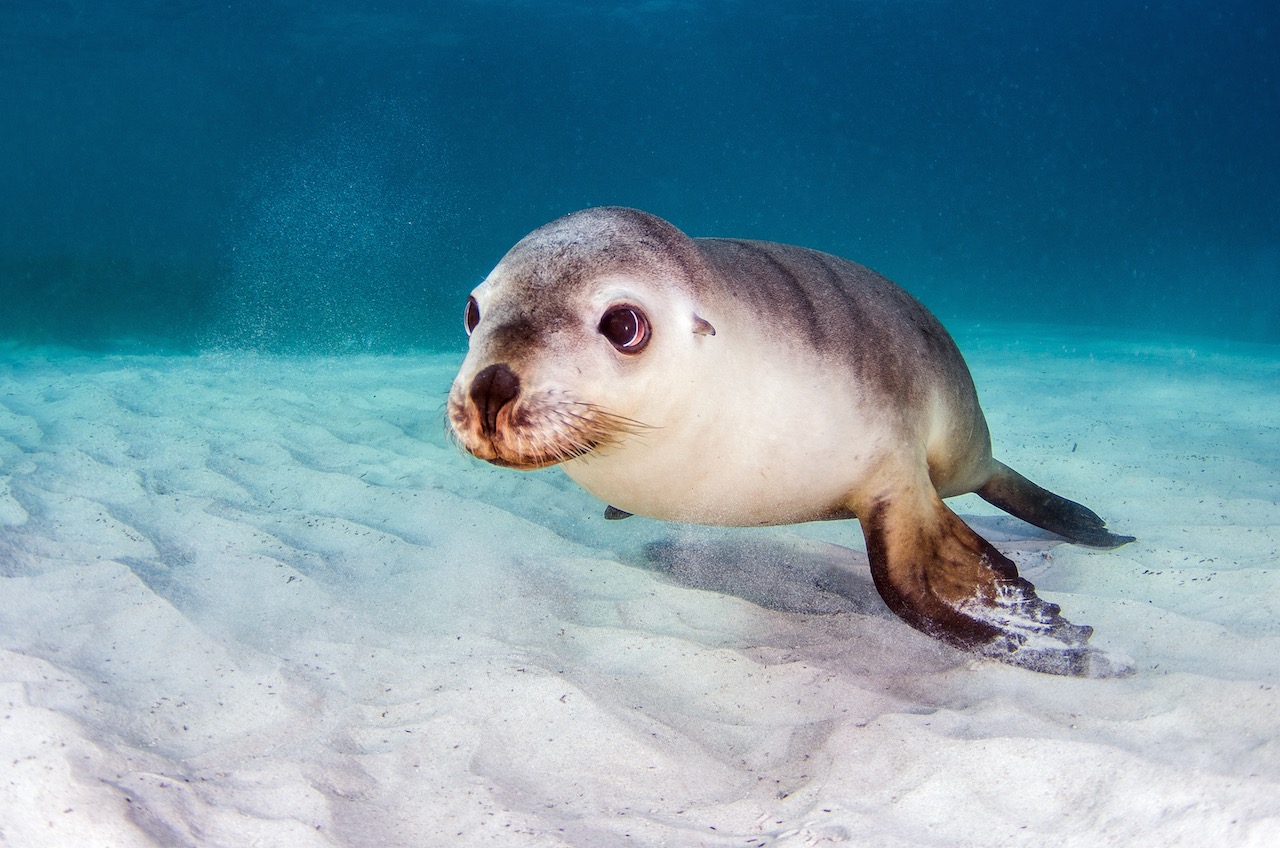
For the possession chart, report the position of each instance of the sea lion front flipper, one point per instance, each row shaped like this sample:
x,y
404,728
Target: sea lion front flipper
x,y
945,580
1016,495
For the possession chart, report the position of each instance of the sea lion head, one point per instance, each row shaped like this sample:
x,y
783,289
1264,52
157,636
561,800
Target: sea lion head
x,y
571,336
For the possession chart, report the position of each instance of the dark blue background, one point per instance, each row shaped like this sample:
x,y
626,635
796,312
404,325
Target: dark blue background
x,y
336,176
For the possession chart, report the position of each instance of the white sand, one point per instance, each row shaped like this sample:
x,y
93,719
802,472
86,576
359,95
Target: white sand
x,y
260,601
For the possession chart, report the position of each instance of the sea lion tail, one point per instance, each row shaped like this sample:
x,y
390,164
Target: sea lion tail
x,y
1018,496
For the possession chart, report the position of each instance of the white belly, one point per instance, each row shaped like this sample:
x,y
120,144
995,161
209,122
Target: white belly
x,y
752,446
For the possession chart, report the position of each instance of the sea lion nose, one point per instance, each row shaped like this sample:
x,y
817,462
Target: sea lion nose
x,y
492,389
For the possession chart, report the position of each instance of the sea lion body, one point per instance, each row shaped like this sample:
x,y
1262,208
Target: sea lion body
x,y
735,382
786,420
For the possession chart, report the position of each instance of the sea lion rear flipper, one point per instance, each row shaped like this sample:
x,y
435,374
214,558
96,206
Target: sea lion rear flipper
x,y
1016,495
945,580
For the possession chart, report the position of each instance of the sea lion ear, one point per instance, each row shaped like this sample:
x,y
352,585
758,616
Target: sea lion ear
x,y
702,327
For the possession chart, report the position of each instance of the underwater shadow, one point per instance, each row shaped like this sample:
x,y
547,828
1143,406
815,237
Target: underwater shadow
x,y
794,574
790,575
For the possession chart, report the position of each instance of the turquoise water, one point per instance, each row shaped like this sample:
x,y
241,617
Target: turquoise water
x,y
334,177
255,595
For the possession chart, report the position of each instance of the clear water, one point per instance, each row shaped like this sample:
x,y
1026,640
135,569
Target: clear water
x,y
335,176
255,596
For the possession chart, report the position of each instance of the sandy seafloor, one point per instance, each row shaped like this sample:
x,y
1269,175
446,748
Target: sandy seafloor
x,y
254,600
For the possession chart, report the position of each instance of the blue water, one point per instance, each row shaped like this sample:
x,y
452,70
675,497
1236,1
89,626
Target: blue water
x,y
336,176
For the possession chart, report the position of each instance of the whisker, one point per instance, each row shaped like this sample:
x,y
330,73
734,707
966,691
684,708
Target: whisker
x,y
598,413
547,429
447,420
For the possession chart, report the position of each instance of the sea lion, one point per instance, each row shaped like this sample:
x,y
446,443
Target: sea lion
x,y
735,382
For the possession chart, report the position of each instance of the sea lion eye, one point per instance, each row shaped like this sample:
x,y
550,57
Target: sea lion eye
x,y
472,315
626,328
